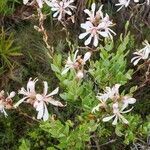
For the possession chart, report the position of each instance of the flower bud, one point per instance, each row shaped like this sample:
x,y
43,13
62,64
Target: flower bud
x,y
80,74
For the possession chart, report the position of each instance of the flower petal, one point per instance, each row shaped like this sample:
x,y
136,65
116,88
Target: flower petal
x,y
46,114
88,41
87,56
25,1
95,40
108,118
123,119
83,35
54,102
45,88
53,92
65,70
115,120
19,102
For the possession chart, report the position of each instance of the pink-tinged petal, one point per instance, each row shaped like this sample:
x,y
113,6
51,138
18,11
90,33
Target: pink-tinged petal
x,y
123,119
31,85
12,94
119,8
83,35
136,61
75,55
93,7
55,14
23,91
106,119
146,52
40,3
115,120
87,56
19,102
39,97
5,114
46,114
124,112
88,41
53,92
127,4
54,102
40,113
87,12
54,9
40,106
86,25
45,88
80,74
95,41
134,58
68,12
103,33
65,70
25,1
131,100
60,16
112,31
49,3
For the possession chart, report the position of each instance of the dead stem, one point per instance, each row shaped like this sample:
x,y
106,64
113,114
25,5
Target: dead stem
x,y
41,29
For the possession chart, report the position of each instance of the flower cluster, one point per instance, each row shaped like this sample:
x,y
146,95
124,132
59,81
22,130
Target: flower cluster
x,y
96,25
125,3
39,2
117,103
77,63
38,101
6,102
60,8
144,53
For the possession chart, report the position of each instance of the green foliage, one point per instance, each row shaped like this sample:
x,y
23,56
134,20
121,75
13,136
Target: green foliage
x,y
25,145
76,127
111,68
67,137
8,51
7,7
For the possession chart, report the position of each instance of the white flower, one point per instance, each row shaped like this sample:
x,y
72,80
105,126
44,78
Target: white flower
x,y
39,2
105,31
136,1
11,95
43,99
117,115
71,63
29,93
2,106
87,57
127,100
80,74
61,8
76,63
92,31
112,93
109,93
6,102
95,29
2,94
102,98
123,3
142,54
94,15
